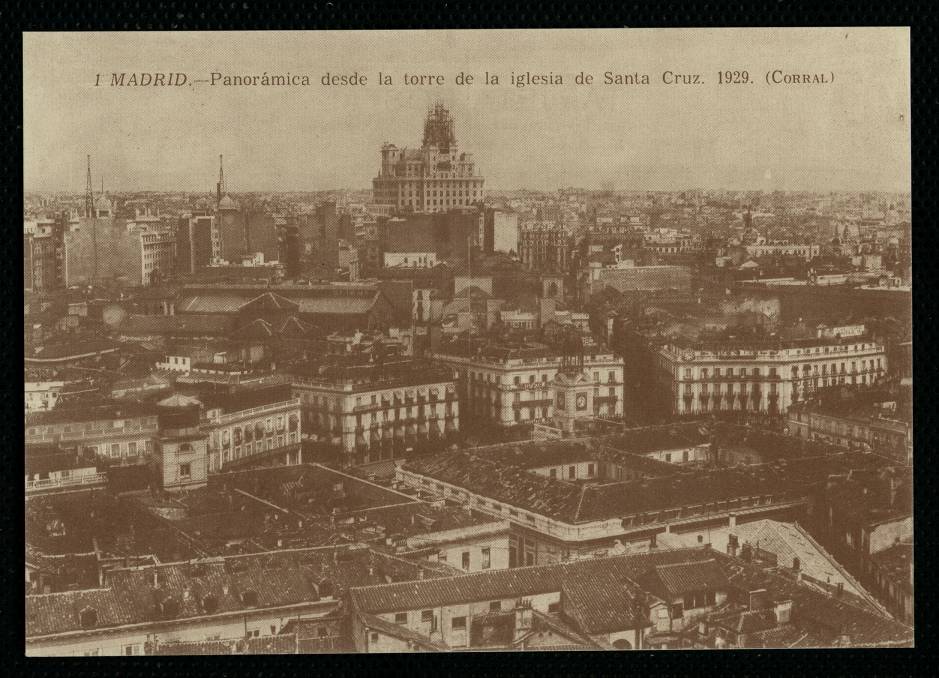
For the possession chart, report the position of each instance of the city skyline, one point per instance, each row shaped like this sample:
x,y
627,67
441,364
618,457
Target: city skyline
x,y
557,136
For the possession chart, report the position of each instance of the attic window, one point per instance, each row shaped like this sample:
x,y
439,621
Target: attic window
x,y
88,617
249,597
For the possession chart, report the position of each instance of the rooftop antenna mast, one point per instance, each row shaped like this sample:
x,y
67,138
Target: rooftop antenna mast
x,y
90,214
89,193
220,186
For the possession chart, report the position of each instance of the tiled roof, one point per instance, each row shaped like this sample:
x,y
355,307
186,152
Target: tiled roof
x,y
603,604
494,473
186,324
84,412
509,583
338,305
269,301
209,302
677,579
825,616
655,438
212,586
256,329
248,398
374,623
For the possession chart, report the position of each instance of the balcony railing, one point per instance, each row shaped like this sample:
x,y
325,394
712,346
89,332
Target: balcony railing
x,y
55,483
254,411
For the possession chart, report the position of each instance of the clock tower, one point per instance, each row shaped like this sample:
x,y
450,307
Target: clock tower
x,y
573,390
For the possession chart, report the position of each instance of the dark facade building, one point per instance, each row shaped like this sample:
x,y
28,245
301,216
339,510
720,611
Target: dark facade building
x,y
194,242
44,255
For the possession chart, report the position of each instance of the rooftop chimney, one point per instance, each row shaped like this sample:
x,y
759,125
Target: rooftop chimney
x,y
523,619
783,611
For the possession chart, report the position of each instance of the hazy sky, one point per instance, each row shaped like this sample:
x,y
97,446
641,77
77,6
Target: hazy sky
x,y
853,134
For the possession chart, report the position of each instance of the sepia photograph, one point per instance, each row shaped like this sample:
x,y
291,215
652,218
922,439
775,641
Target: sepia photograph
x,y
343,342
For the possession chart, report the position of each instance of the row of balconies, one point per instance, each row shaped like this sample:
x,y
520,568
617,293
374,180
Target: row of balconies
x,y
255,411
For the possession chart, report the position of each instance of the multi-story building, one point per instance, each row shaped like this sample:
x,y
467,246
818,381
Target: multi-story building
x,y
122,433
571,499
875,421
44,254
196,242
700,378
807,252
157,256
372,416
500,230
508,385
42,395
154,609
230,226
104,249
434,178
410,259
249,423
545,246
596,278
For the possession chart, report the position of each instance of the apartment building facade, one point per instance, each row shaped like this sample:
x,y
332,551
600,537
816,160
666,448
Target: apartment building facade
x,y
699,379
381,418
508,389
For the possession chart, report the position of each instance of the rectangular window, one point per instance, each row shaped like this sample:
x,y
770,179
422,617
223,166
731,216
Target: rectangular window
x,y
571,471
486,558
553,473
401,618
427,616
115,449
590,469
458,623
132,449
495,606
465,560
185,470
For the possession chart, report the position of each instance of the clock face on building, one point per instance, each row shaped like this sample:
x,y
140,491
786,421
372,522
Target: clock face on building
x,y
581,401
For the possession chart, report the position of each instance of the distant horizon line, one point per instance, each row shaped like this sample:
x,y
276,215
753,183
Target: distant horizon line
x,y
494,190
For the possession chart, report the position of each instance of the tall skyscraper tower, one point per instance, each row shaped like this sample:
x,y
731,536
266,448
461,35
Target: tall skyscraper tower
x,y
436,177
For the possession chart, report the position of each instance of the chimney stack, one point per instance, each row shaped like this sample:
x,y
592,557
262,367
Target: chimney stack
x,y
523,619
783,611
